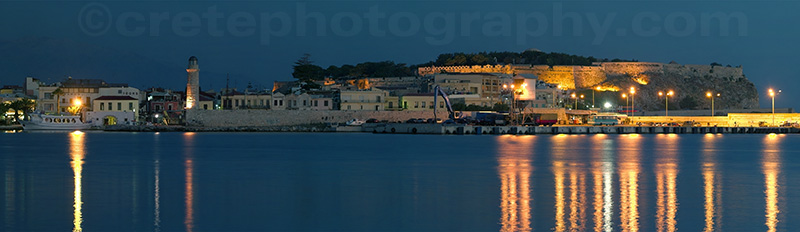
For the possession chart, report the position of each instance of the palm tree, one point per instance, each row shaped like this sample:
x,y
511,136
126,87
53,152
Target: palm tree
x,y
3,109
24,105
58,92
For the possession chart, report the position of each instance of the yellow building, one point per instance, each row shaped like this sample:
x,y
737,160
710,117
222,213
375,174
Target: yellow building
x,y
110,110
486,85
115,103
392,103
421,102
237,100
363,99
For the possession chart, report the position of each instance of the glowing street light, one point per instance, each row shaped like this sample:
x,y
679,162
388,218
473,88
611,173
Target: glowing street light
x,y
666,105
576,99
607,105
772,95
633,108
711,95
626,102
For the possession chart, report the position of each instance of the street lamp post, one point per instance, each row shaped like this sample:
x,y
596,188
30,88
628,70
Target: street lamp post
x,y
576,100
666,101
595,89
772,94
633,108
710,95
626,103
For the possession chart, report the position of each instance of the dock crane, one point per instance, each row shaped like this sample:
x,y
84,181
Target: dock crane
x,y
438,91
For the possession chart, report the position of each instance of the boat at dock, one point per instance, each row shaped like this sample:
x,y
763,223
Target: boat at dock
x,y
54,122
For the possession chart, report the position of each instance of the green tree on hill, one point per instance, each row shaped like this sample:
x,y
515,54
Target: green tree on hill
x,y
305,70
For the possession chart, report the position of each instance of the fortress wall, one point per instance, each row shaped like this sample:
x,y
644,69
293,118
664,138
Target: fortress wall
x,y
235,118
695,70
588,76
506,69
630,68
561,75
570,77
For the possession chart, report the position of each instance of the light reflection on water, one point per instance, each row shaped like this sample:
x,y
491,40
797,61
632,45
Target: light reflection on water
x,y
515,170
771,166
189,162
515,183
77,154
666,174
629,182
711,184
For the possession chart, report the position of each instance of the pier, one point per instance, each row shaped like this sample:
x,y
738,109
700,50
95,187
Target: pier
x,y
460,129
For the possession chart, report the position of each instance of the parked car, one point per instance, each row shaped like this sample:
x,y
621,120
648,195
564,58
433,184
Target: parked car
x,y
449,121
372,120
355,122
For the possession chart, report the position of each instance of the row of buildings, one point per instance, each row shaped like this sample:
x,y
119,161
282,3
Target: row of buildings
x,y
105,103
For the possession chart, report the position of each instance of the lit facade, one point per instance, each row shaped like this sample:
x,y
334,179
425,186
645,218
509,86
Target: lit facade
x,y
363,99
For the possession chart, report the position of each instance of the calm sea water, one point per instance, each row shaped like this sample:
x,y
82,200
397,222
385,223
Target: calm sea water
x,y
375,182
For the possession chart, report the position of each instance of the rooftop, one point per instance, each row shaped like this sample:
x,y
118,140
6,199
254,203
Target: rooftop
x,y
115,98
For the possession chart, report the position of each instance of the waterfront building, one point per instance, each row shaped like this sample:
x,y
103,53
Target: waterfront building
x,y
393,103
32,86
487,85
85,90
235,100
421,102
372,99
112,110
163,104
277,102
208,101
300,101
321,102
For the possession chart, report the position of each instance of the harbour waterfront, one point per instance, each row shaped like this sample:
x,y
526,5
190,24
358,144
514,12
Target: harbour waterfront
x,y
392,182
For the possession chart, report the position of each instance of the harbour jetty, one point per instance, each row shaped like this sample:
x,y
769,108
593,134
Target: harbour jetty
x,y
457,129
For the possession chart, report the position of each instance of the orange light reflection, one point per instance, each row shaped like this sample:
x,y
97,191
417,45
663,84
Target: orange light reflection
x,y
77,152
189,172
666,174
771,168
514,158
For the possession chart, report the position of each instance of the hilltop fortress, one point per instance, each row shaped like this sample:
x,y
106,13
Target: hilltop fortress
x,y
649,78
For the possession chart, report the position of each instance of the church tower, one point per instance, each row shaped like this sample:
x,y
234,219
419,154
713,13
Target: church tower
x,y
192,83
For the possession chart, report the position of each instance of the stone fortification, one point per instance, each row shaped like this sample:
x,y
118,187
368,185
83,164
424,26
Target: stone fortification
x,y
689,81
505,69
234,118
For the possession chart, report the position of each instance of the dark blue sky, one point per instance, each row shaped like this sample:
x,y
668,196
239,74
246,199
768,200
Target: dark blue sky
x,y
257,41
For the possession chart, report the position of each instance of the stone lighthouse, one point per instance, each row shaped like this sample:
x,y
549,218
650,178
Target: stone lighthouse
x,y
192,83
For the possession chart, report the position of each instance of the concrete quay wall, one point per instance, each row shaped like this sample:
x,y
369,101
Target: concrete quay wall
x,y
260,118
402,128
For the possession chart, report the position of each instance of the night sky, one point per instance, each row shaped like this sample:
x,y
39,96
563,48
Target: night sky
x,y
257,41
